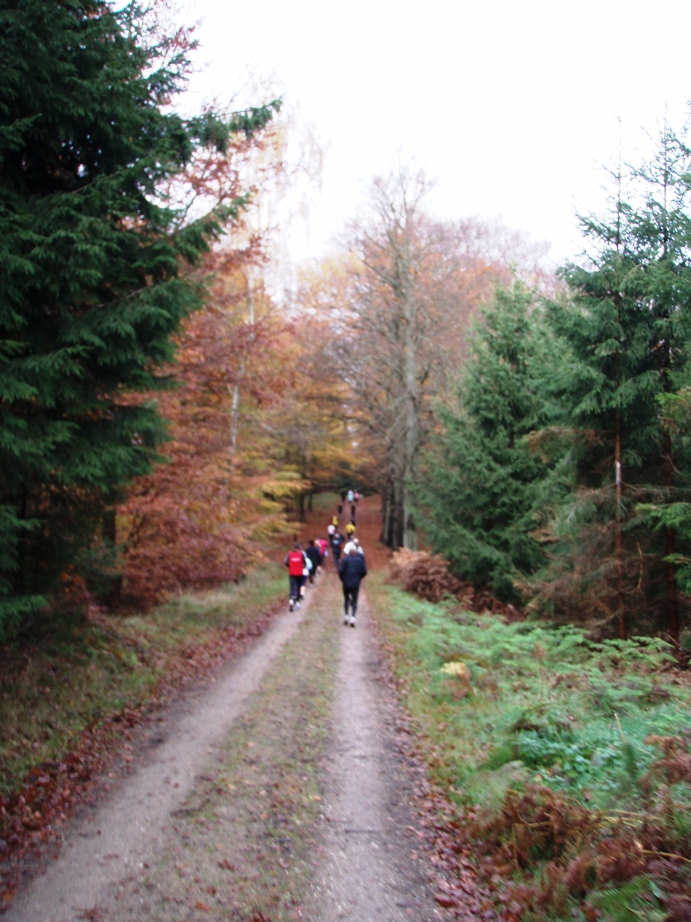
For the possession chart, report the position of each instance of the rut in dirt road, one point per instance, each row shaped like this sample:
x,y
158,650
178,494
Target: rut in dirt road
x,y
292,802
118,838
370,868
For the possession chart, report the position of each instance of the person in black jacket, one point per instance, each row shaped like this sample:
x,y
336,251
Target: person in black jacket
x,y
351,572
337,542
315,558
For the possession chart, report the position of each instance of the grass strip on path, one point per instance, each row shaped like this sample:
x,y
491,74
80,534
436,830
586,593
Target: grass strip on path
x,y
241,847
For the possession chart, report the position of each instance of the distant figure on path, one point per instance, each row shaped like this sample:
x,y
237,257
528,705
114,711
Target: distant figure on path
x,y
296,563
323,546
351,572
337,542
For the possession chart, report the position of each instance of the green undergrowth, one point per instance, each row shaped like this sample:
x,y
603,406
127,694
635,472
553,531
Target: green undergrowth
x,y
77,673
568,759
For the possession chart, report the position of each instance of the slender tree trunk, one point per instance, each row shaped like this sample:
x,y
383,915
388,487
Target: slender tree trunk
x,y
393,537
234,417
23,546
235,390
387,516
619,539
670,538
110,533
618,479
412,427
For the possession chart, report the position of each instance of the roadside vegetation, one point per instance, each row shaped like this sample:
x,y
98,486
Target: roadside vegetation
x,y
568,758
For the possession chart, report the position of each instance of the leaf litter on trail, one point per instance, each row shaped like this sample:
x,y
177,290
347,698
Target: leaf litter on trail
x,y
456,884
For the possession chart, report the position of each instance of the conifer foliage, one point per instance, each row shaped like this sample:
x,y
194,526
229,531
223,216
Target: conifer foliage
x,y
94,239
626,331
565,475
479,485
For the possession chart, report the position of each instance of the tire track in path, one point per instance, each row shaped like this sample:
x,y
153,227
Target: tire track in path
x,y
119,838
371,868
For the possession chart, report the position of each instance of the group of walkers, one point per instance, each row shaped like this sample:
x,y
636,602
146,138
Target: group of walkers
x,y
348,557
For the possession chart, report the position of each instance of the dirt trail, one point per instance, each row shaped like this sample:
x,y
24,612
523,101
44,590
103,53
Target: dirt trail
x,y
116,839
278,794
370,869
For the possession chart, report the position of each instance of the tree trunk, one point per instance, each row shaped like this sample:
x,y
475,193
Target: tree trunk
x,y
234,418
619,541
672,606
387,511
412,426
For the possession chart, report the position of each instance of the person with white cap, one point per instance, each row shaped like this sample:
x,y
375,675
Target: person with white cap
x,y
351,571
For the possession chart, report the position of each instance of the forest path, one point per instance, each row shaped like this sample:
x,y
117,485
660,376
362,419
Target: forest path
x,y
277,794
371,868
115,839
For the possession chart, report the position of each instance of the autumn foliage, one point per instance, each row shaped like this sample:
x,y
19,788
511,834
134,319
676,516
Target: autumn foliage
x,y
191,522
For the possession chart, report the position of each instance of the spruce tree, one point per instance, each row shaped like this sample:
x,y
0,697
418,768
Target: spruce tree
x,y
625,327
479,485
92,260
662,232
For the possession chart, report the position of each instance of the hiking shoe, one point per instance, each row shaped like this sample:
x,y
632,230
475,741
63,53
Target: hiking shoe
x,y
352,622
297,604
345,618
290,605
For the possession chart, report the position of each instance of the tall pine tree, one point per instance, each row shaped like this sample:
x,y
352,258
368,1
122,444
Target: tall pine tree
x,y
92,260
479,486
625,327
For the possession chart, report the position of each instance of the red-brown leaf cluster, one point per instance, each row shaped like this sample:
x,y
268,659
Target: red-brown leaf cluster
x,y
189,523
428,576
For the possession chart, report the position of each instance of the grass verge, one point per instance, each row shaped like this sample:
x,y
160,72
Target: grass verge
x,y
569,761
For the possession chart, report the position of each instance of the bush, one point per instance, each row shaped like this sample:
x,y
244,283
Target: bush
x,y
427,575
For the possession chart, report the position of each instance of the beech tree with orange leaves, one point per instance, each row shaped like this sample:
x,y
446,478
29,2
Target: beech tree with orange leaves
x,y
230,472
399,299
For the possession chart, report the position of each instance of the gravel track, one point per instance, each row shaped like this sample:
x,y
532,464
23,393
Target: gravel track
x,y
221,819
119,837
371,869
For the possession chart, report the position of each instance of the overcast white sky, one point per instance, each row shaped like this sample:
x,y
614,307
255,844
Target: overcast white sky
x,y
511,106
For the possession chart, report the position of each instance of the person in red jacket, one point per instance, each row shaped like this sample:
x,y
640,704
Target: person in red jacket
x,y
296,563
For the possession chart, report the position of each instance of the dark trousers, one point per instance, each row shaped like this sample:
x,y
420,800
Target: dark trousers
x,y
295,583
350,594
